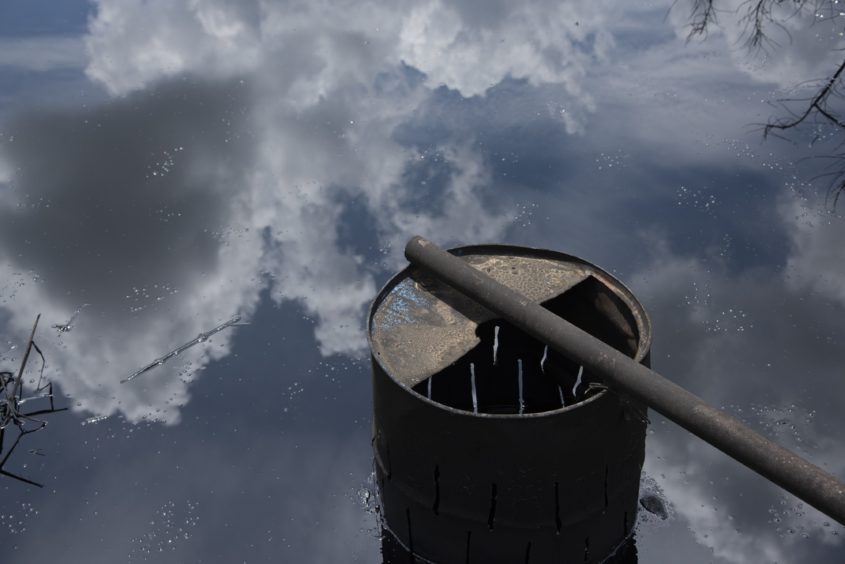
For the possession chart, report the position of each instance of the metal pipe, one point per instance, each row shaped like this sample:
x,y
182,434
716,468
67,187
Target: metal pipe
x,y
803,479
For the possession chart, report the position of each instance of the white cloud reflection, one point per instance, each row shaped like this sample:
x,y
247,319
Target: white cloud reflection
x,y
756,343
817,261
707,516
798,44
322,91
470,46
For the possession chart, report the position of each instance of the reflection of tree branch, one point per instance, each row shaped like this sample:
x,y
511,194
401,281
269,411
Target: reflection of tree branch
x,y
703,14
818,104
757,17
759,13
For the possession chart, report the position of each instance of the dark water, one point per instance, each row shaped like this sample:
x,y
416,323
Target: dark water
x,y
167,166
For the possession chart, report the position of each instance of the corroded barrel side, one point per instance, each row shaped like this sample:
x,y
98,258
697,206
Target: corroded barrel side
x,y
489,447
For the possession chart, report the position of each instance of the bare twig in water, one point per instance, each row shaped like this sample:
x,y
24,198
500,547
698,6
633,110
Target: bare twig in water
x,y
10,407
202,337
65,327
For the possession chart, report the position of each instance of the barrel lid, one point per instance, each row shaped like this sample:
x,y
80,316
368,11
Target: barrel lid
x,y
418,325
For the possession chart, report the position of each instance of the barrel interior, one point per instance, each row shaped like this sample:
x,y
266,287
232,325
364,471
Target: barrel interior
x,y
510,372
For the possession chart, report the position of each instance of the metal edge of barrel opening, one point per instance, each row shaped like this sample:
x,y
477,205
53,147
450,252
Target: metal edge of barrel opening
x,y
471,477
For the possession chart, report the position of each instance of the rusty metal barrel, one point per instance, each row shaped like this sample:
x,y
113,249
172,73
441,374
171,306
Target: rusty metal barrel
x,y
490,447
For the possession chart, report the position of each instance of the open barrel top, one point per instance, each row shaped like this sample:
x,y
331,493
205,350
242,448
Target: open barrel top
x,y
418,325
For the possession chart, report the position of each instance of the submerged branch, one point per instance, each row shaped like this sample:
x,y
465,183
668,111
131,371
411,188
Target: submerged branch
x,y
181,348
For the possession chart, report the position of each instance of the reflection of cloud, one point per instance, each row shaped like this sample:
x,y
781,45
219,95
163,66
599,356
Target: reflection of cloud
x,y
131,43
709,519
734,512
465,46
106,223
773,360
465,216
139,178
126,216
803,44
818,259
470,47
169,208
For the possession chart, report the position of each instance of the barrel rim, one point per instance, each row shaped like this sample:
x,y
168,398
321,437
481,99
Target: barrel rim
x,y
636,309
